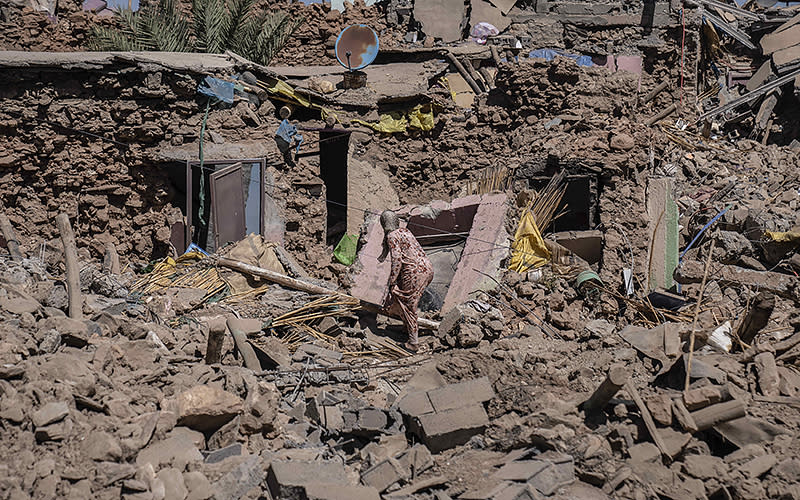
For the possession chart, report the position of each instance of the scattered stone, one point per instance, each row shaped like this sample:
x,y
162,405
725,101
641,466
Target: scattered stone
x,y
207,408
102,447
50,413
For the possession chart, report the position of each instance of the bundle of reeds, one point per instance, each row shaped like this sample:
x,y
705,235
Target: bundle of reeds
x,y
328,305
182,273
545,202
489,180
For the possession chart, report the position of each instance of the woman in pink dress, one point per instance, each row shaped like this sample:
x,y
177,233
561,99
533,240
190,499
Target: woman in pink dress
x,y
411,274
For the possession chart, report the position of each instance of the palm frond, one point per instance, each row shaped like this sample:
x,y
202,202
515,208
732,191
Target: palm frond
x,y
239,11
215,26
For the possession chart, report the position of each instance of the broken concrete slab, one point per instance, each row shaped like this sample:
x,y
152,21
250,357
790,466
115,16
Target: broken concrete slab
x,y
587,245
781,284
786,60
50,413
484,12
243,478
442,19
777,40
320,491
748,430
462,394
288,479
443,430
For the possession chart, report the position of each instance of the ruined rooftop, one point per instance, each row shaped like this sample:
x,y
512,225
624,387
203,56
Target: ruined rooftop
x,y
607,192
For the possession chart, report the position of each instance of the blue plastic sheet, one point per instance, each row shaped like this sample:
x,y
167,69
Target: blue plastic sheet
x,y
288,132
550,54
214,87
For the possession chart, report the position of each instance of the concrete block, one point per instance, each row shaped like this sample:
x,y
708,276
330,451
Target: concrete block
x,y
371,420
443,430
384,474
416,460
236,483
320,491
415,404
288,479
461,394
559,472
521,471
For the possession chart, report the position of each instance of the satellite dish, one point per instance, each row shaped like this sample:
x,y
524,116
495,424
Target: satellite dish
x,y
356,47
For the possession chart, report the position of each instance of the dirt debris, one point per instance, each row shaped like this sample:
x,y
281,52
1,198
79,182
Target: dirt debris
x,y
151,396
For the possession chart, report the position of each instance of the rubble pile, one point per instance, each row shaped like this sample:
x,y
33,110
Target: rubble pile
x,y
25,28
126,403
637,338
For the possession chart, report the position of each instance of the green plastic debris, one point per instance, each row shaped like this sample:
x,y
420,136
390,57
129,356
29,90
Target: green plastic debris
x,y
345,251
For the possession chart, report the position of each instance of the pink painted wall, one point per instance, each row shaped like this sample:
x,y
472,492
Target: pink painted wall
x,y
486,246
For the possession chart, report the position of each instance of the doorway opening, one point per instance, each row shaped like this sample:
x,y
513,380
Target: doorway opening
x,y
334,146
579,203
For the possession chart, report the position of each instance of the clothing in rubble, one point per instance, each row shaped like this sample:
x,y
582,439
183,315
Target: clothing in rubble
x,y
411,274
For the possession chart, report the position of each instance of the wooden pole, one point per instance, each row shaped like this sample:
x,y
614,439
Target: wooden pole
x,y
683,416
648,419
615,380
305,286
694,319
11,238
487,77
71,263
653,93
216,336
240,339
463,71
495,55
715,414
467,63
653,119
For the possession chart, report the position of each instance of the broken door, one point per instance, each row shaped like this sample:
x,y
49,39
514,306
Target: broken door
x,y
227,204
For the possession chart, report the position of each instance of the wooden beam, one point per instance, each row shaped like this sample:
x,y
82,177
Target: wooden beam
x,y
305,286
715,414
240,339
463,71
71,263
495,55
11,238
648,419
616,379
111,259
216,336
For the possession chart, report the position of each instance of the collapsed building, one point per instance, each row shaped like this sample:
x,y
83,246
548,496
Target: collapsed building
x,y
211,336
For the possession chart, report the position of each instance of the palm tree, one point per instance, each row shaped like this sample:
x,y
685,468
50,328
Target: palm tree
x,y
215,26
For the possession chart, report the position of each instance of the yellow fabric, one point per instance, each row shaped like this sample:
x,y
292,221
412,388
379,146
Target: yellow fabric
x,y
529,249
419,117
781,237
389,123
287,93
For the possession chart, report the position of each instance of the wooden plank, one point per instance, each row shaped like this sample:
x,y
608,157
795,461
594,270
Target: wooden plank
x,y
714,414
648,419
71,263
11,238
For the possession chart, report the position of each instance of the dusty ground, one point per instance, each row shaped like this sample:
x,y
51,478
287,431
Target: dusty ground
x,y
130,401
